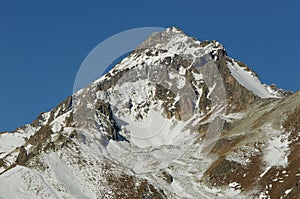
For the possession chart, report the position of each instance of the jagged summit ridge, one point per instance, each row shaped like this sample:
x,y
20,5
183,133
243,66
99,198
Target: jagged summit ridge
x,y
167,45
174,40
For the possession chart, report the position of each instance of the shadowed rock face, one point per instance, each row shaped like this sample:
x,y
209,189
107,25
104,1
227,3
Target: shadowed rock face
x,y
22,157
238,96
110,124
40,136
81,132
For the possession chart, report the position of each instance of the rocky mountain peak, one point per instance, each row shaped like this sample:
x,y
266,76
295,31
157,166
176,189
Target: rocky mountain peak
x,y
177,118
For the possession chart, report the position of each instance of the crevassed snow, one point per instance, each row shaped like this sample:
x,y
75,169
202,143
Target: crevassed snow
x,y
248,80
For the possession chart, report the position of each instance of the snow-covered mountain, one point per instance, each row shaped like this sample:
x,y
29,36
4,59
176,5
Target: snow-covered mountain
x,y
177,118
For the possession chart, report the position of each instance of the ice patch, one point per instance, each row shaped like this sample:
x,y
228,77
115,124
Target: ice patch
x,y
248,80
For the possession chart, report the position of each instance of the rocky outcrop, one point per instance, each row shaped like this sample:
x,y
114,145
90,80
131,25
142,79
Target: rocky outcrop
x,y
125,186
22,157
105,115
40,136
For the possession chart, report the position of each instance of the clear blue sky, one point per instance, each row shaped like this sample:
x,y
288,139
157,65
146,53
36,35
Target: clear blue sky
x,y
43,43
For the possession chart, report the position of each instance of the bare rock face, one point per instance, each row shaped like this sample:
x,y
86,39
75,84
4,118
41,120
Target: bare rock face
x,y
238,96
40,136
22,157
108,123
